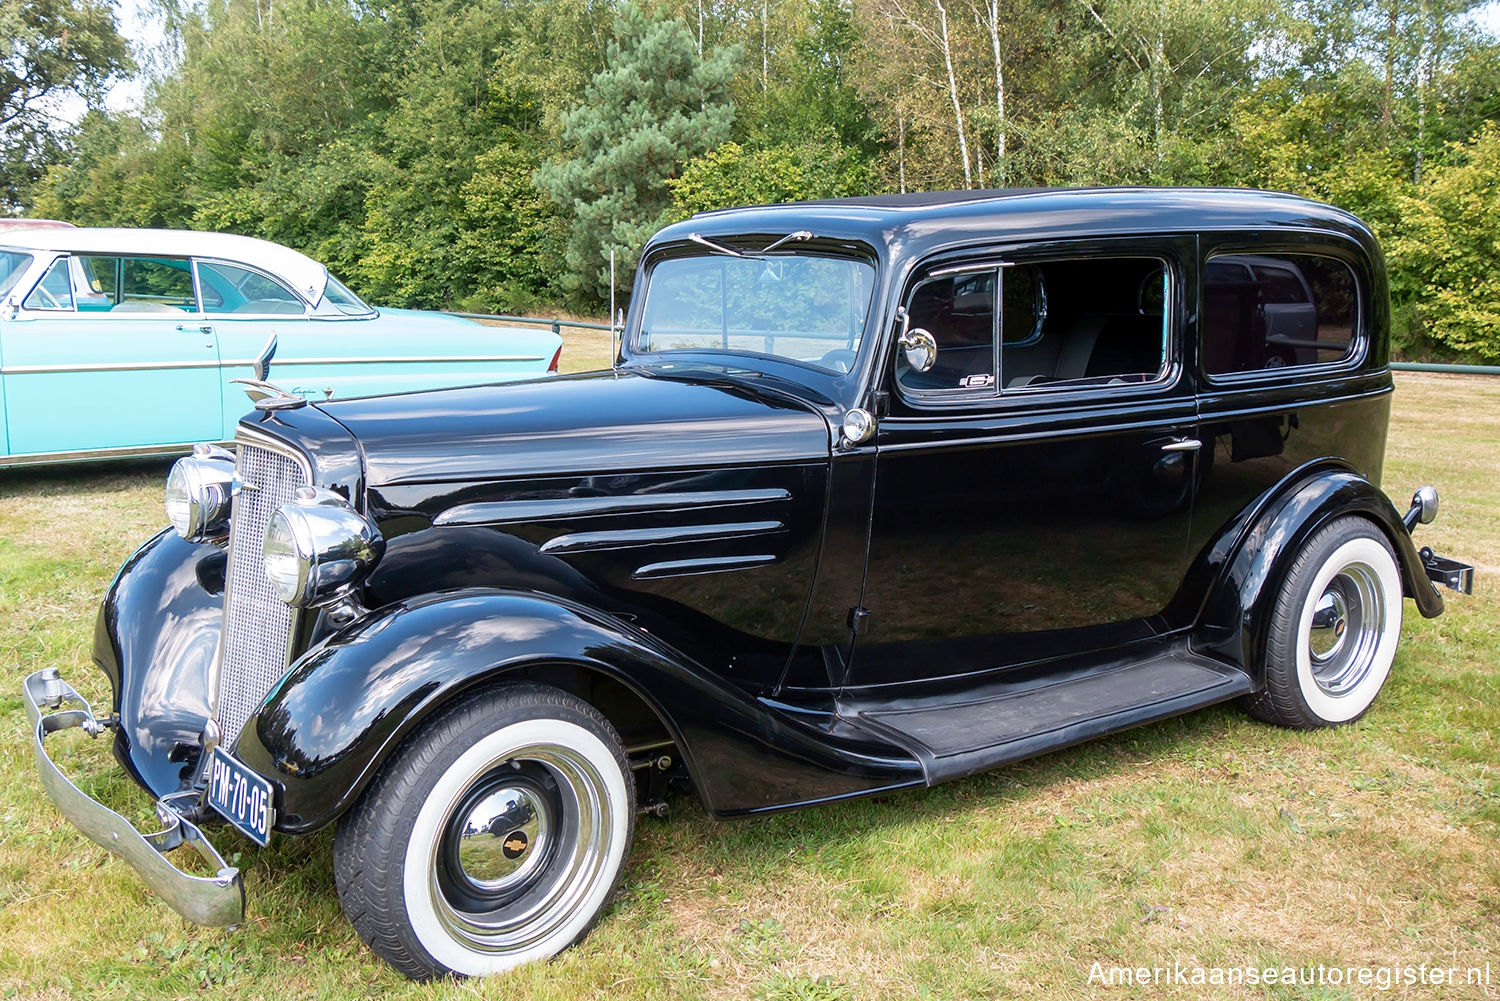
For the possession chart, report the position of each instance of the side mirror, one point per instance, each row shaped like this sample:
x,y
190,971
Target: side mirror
x,y
920,347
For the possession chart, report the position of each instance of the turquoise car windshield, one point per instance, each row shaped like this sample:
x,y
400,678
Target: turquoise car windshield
x,y
346,301
800,307
12,265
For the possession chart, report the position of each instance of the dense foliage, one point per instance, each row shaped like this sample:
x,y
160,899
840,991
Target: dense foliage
x,y
490,153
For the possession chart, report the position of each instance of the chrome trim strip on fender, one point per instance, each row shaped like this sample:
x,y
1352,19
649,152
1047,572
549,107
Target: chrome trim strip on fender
x,y
206,900
629,538
547,509
711,564
247,362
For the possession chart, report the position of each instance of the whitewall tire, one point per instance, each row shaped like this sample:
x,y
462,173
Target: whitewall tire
x,y
1334,629
494,837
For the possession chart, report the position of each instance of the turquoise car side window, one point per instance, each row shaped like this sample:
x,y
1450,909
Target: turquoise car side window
x,y
12,266
101,275
53,291
154,285
228,289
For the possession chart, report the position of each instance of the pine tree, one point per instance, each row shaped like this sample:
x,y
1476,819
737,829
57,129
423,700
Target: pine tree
x,y
656,105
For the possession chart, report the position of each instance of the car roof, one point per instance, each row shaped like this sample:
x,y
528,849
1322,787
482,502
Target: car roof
x,y
303,273
915,223
9,224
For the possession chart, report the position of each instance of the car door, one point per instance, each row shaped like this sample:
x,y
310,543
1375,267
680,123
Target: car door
x,y
1033,488
110,352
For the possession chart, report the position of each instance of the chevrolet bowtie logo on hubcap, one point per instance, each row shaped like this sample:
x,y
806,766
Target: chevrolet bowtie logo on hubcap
x,y
515,845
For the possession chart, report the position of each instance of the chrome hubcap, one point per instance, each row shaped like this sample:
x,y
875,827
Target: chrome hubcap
x,y
525,844
1348,620
504,837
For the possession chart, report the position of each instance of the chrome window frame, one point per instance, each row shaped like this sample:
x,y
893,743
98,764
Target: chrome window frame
x,y
936,402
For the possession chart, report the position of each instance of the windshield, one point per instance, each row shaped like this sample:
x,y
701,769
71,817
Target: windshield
x,y
807,309
346,301
12,264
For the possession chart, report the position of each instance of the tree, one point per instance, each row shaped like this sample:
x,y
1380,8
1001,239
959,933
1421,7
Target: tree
x,y
53,49
655,106
734,175
1443,255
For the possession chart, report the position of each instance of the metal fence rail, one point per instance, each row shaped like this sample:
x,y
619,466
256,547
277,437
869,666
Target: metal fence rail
x,y
539,321
1422,366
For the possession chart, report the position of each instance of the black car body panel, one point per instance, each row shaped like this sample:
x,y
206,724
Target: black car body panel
x,y
370,686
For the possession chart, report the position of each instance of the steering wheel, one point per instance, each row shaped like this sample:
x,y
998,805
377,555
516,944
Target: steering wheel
x,y
49,300
839,360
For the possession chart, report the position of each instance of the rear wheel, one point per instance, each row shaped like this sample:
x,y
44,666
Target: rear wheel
x,y
1334,629
495,836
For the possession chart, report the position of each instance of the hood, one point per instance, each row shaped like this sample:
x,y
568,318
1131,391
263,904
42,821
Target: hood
x,y
632,419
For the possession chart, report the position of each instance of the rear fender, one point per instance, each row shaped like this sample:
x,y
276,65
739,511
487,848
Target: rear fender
x,y
1253,554
326,729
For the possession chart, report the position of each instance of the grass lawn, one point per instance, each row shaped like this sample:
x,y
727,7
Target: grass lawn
x,y
1209,839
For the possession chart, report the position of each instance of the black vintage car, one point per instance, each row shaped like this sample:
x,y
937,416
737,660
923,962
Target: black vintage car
x,y
882,492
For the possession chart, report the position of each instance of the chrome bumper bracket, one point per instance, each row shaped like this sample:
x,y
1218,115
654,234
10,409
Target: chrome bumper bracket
x,y
207,900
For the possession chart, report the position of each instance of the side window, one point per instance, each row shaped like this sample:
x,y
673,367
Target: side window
x,y
1086,321
1023,307
101,276
140,284
959,312
230,289
54,290
1264,311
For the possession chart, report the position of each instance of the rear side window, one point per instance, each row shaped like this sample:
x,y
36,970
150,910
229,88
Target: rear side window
x,y
1270,311
228,289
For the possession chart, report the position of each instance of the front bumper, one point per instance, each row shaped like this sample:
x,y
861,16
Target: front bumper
x,y
207,900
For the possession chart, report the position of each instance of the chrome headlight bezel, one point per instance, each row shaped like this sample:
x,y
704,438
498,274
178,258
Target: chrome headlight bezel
x,y
204,484
318,549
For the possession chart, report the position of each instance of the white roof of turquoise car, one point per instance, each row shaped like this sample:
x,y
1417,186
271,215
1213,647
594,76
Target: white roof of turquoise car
x,y
303,273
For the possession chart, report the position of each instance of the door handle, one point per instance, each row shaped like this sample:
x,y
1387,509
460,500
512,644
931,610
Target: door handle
x,y
1182,445
201,328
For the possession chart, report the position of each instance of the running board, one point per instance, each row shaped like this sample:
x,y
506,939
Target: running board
x,y
1009,722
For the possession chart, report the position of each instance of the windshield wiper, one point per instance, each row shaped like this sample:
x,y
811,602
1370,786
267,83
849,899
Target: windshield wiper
x,y
724,248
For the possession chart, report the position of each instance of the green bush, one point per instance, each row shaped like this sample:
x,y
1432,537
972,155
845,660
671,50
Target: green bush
x,y
1444,252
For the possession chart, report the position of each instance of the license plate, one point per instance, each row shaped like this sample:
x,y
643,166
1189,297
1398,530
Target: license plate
x,y
243,797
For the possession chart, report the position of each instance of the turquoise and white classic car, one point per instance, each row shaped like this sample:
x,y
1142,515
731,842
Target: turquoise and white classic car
x,y
117,342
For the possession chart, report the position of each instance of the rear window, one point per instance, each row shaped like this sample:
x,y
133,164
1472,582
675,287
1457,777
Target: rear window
x,y
1277,311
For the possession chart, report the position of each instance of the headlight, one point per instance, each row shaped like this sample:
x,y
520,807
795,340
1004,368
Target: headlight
x,y
199,489
317,548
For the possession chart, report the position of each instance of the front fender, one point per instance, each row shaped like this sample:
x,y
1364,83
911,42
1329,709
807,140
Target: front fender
x,y
324,731
1252,556
156,639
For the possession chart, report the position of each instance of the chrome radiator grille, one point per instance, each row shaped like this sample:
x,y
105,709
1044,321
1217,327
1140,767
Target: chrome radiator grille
x,y
257,624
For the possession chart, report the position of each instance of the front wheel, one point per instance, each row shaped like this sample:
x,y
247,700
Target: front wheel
x,y
1333,631
494,836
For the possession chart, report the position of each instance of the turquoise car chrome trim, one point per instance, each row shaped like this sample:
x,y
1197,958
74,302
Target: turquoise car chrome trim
x,y
129,367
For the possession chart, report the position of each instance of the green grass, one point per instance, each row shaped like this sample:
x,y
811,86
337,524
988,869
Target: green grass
x,y
1207,839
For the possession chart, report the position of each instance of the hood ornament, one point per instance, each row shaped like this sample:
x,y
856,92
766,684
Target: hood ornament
x,y
264,395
